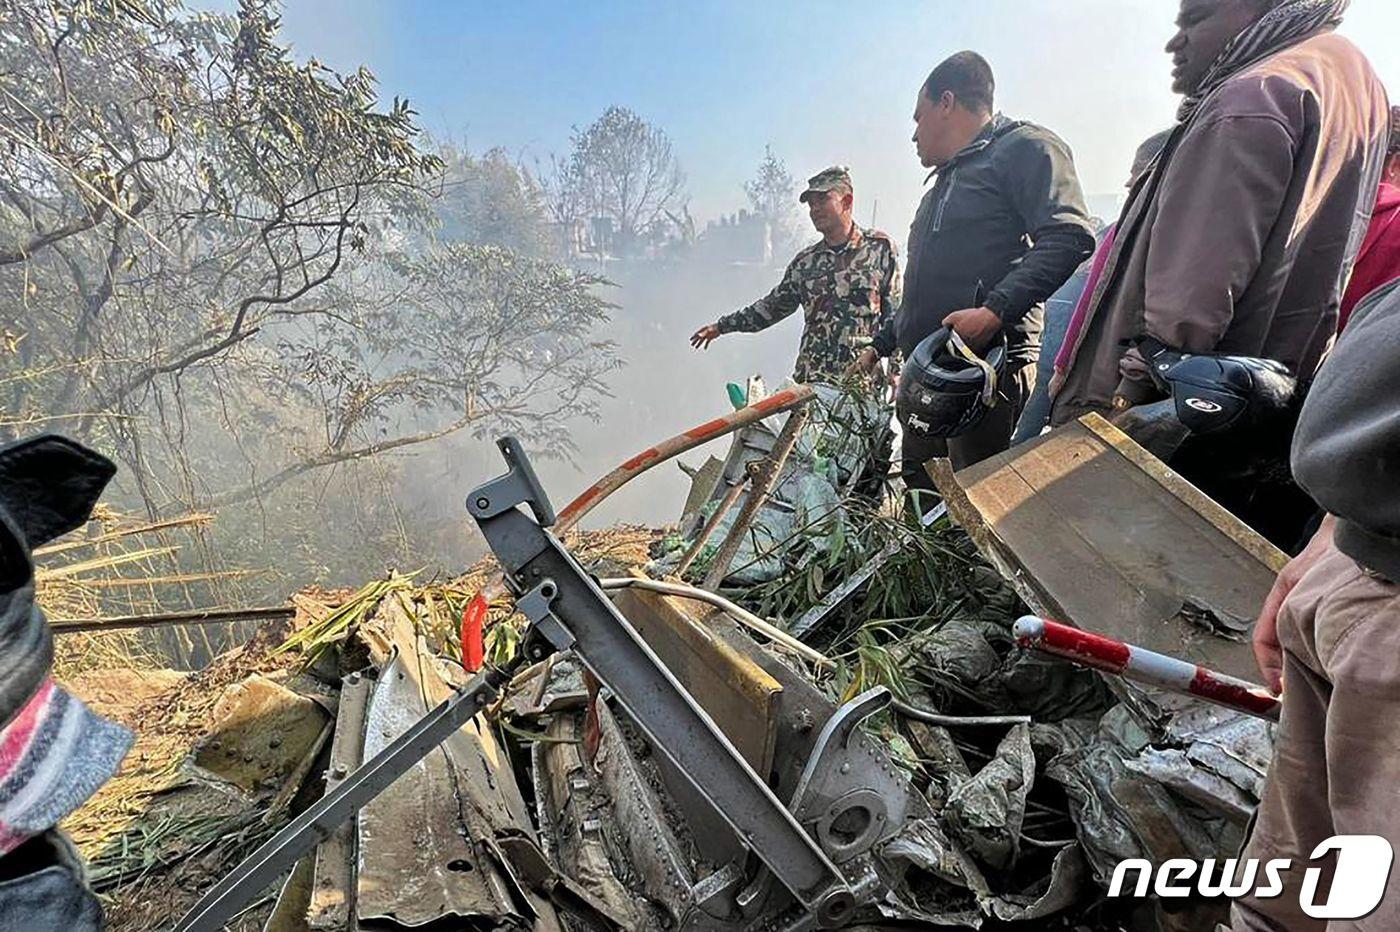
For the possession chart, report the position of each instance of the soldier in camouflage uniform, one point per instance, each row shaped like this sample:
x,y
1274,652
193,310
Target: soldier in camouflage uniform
x,y
848,285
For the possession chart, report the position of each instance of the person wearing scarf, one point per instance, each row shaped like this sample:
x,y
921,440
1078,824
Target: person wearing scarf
x,y
54,752
1240,238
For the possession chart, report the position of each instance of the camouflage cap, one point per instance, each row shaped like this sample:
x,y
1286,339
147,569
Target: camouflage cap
x,y
835,178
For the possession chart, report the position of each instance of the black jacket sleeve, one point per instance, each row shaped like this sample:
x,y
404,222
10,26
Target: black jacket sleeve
x,y
1037,173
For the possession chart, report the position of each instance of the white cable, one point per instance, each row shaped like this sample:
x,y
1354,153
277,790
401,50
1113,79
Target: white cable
x,y
785,640
741,615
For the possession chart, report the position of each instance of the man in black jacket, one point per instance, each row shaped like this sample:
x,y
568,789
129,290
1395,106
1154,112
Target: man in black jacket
x,y
1000,231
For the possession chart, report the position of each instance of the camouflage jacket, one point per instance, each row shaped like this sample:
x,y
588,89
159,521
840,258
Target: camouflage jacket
x,y
846,292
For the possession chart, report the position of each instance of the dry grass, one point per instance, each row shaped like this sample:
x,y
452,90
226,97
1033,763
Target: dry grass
x,y
151,836
91,651
118,564
438,605
115,563
168,712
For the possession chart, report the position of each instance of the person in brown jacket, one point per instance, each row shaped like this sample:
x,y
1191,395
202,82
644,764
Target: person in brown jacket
x,y
1239,239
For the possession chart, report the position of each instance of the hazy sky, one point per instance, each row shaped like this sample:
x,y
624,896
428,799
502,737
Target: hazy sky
x,y
822,82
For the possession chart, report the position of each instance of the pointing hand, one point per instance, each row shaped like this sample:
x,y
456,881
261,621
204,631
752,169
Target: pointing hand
x,y
702,338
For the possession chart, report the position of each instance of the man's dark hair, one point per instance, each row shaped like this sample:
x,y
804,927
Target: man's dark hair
x,y
968,76
1394,147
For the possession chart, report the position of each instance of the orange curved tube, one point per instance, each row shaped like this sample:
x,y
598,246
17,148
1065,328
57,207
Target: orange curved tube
x,y
778,402
591,497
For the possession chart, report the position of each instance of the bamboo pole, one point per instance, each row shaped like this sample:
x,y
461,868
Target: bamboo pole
x,y
206,617
759,491
776,403
731,496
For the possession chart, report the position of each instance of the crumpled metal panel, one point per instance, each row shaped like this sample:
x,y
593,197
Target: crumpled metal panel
x,y
1171,768
955,889
577,824
1225,761
427,846
1235,746
986,812
263,738
1067,874
417,863
653,848
1119,814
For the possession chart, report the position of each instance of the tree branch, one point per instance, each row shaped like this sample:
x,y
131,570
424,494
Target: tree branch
x,y
331,457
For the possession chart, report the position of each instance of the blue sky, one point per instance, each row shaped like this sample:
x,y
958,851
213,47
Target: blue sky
x,y
822,82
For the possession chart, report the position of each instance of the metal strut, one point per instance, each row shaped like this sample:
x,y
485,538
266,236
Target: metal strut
x,y
568,611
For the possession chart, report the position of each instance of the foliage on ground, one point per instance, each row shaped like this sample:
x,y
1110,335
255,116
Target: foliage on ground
x,y
151,835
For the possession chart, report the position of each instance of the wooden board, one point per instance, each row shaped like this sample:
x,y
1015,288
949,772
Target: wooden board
x,y
736,692
1093,530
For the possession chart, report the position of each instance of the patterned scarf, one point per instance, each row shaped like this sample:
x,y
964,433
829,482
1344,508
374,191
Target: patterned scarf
x,y
1281,27
54,752
54,755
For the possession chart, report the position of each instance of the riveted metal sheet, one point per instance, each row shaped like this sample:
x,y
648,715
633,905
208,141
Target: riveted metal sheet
x,y
654,849
577,822
333,885
426,845
263,735
417,865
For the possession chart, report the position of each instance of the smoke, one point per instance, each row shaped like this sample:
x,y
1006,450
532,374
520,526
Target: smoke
x,y
666,387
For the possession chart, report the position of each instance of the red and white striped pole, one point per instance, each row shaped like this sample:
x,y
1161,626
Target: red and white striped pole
x,y
1145,666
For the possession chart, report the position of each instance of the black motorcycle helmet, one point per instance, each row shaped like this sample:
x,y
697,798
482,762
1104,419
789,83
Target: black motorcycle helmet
x,y
1219,393
946,388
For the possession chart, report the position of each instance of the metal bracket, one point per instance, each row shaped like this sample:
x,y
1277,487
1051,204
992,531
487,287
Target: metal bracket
x,y
519,486
546,634
850,796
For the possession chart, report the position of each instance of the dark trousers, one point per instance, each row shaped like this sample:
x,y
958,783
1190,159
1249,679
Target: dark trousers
x,y
991,436
42,888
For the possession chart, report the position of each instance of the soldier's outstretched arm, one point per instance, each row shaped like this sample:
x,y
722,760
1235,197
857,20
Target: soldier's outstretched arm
x,y
777,305
702,338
